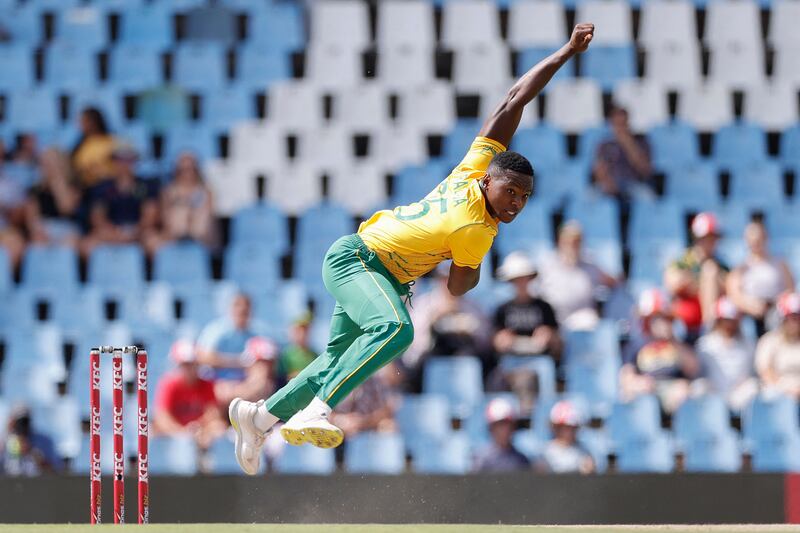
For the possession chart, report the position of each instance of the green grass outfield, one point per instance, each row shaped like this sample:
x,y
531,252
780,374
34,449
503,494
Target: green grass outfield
x,y
368,528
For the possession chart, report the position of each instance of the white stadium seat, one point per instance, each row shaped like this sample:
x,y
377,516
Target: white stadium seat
x,y
481,65
393,148
537,23
733,21
404,67
326,149
344,24
673,65
772,106
294,105
574,105
295,188
490,97
707,107
233,188
736,65
333,67
405,23
364,107
612,20
429,109
365,178
257,147
469,22
787,65
645,101
665,22
783,23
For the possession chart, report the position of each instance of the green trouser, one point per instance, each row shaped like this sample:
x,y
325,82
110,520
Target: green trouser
x,y
369,328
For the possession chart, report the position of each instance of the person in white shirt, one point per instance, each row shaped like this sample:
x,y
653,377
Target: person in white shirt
x,y
778,351
727,358
563,454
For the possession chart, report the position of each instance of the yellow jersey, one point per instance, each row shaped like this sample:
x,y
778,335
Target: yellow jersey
x,y
451,222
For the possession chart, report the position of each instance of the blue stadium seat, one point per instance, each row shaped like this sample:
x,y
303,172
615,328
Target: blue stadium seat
x,y
450,456
209,22
221,457
599,217
175,455
280,27
225,107
673,145
28,26
739,145
595,441
134,67
633,420
195,309
713,453
782,222
656,221
252,266
85,27
413,183
6,275
258,66
588,142
592,362
652,454
163,108
532,230
317,229
78,314
5,411
543,145
60,421
32,110
70,68
261,222
606,254
50,268
194,138
112,268
199,66
757,185
276,310
528,58
558,186
542,365
777,454
790,147
700,417
609,64
459,378
109,101
306,459
375,453
17,65
528,443
694,186
476,427
422,418
458,141
770,417
149,25
183,264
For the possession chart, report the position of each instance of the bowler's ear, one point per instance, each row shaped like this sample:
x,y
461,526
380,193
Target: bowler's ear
x,y
486,179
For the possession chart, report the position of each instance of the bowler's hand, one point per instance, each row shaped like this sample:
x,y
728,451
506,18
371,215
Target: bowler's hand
x,y
581,37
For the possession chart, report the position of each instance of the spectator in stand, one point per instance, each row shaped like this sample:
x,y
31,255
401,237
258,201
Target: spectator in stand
x,y
726,358
446,325
298,354
501,455
622,166
186,204
371,407
524,326
696,280
185,402
92,156
569,281
754,286
122,209
259,361
222,342
24,160
658,363
778,351
25,452
12,192
52,207
563,454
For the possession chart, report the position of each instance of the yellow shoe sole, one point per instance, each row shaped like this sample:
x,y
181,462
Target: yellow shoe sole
x,y
294,437
324,438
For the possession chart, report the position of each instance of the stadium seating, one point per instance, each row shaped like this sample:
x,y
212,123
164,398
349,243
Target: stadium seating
x,y
176,455
182,264
450,456
459,378
305,459
115,267
651,454
375,453
423,418
16,61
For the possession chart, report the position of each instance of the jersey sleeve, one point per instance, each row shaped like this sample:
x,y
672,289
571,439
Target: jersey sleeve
x,y
468,245
480,154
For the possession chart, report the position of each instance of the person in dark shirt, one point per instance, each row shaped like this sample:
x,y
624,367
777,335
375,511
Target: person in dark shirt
x,y
26,452
500,455
123,209
524,326
52,207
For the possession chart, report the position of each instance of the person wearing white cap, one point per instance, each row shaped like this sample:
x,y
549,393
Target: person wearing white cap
x,y
260,358
754,286
185,402
563,454
500,455
778,351
726,357
696,280
524,326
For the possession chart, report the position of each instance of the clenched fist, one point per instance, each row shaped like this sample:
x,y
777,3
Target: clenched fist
x,y
581,37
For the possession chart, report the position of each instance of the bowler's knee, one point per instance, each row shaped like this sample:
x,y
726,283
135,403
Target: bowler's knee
x,y
400,333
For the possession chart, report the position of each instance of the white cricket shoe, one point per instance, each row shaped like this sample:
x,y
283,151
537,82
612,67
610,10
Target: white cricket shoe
x,y
311,425
249,439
